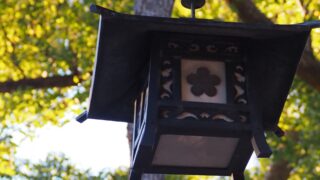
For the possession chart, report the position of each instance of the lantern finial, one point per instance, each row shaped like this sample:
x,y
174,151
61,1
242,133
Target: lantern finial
x,y
193,4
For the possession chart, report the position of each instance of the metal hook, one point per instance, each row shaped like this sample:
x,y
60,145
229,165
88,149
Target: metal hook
x,y
192,5
193,11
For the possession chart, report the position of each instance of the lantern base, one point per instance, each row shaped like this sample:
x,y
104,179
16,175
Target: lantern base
x,y
194,151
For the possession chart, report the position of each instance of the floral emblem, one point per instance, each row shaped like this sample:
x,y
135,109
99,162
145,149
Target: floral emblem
x,y
203,82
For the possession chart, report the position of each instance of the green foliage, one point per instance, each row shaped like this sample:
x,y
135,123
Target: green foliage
x,y
54,167
118,174
42,39
58,166
290,11
300,118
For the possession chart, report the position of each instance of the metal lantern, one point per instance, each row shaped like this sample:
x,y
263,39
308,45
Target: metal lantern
x,y
201,94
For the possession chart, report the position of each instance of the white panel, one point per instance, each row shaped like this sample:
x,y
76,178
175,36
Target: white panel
x,y
194,151
215,68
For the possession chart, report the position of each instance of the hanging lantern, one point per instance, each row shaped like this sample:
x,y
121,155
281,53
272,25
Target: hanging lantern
x,y
201,94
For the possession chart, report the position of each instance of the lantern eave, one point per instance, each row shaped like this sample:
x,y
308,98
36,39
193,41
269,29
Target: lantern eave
x,y
123,53
109,14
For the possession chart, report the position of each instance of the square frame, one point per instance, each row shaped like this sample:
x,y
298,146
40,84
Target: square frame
x,y
162,116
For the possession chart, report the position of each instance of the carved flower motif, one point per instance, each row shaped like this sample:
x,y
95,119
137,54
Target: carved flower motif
x,y
203,82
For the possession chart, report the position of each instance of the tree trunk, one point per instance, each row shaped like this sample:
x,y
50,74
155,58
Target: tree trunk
x,y
279,170
160,8
39,83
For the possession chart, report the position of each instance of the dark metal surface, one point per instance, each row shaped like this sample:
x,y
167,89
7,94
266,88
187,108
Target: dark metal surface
x,y
123,53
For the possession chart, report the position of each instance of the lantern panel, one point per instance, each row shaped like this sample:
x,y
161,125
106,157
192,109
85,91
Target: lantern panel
x,y
194,151
203,81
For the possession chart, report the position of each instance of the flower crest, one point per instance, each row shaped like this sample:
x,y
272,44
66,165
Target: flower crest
x,y
203,82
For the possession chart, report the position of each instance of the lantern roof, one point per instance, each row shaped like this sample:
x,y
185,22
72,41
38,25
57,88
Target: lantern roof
x,y
123,52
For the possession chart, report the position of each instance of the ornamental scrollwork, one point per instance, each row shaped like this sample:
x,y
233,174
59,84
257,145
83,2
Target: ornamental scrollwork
x,y
240,85
203,115
210,47
166,80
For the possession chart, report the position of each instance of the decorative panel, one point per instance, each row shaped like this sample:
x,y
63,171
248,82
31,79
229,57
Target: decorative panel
x,y
203,81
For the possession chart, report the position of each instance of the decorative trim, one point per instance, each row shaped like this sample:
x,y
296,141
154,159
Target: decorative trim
x,y
222,117
243,118
194,47
186,115
203,115
166,79
167,86
232,49
208,46
211,49
240,96
172,45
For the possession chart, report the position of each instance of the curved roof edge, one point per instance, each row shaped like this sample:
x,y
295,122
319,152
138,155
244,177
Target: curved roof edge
x,y
107,13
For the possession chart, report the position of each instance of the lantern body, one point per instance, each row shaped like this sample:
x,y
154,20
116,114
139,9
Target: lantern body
x,y
192,116
201,94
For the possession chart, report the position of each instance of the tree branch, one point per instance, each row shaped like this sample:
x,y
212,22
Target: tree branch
x,y
309,67
248,12
38,83
279,170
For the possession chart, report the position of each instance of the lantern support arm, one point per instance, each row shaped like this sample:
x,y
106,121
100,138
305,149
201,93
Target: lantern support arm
x,y
82,117
238,176
258,139
260,145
